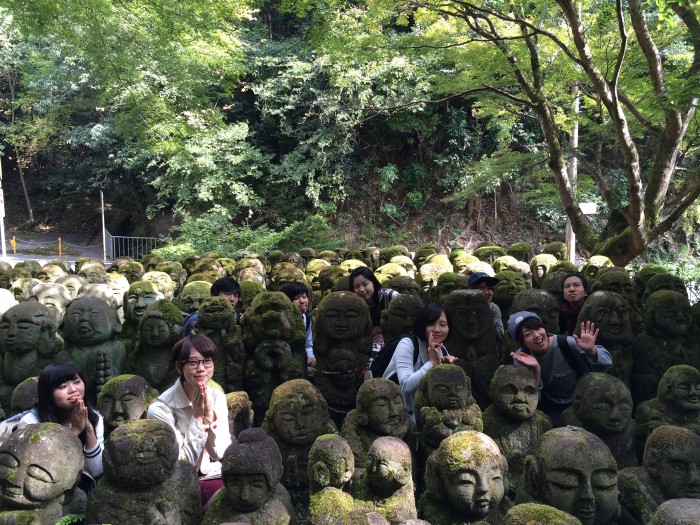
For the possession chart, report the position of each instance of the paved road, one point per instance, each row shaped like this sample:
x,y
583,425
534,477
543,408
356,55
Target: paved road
x,y
76,246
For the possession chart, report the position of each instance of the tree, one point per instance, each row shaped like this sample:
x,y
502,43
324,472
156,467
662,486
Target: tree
x,y
637,72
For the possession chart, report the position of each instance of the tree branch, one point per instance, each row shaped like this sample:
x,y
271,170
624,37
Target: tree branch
x,y
690,195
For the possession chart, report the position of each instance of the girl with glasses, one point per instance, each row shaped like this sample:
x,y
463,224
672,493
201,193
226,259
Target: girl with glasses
x,y
197,412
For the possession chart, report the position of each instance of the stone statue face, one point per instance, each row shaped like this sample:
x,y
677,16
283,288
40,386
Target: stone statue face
x,y
579,476
448,389
192,296
508,286
470,319
137,302
476,491
684,390
93,273
398,318
72,283
388,465
299,421
540,302
32,474
50,272
676,470
672,317
54,297
155,332
610,314
386,414
124,403
21,329
605,406
89,321
247,492
515,394
343,320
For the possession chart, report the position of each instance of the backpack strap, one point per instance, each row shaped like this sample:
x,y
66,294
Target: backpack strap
x,y
307,322
572,359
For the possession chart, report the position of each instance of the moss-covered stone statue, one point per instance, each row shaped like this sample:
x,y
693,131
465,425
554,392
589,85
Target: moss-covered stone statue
x,y
448,282
313,269
217,320
137,299
522,251
50,272
406,263
603,405
274,340
25,396
663,281
681,511
124,398
677,402
642,276
342,344
163,283
610,313
192,295
73,283
387,487
22,287
444,405
670,340
616,279
513,420
474,340
538,514
8,277
397,319
249,291
574,471
669,470
94,271
427,277
331,467
593,265
465,481
488,254
405,285
297,415
144,482
539,266
379,412
552,283
28,342
385,254
508,286
159,329
40,468
90,328
252,492
176,272
388,271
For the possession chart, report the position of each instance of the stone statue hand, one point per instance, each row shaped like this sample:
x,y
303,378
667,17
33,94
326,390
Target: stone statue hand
x,y
586,341
203,405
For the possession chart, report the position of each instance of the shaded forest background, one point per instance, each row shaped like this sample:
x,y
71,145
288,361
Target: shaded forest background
x,y
239,125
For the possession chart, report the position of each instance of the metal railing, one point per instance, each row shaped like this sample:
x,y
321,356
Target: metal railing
x,y
134,247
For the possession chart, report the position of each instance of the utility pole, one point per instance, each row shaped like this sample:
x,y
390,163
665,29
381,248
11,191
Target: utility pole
x,y
573,169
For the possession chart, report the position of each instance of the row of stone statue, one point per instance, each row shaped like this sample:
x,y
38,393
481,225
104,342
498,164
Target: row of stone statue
x,y
470,467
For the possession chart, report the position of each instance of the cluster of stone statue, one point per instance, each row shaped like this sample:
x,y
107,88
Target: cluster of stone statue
x,y
478,452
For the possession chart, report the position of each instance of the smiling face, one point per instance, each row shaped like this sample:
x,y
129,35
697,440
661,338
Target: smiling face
x,y
439,330
386,415
67,394
137,301
195,376
537,340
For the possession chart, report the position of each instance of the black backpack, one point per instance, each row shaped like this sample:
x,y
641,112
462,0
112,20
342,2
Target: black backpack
x,y
377,365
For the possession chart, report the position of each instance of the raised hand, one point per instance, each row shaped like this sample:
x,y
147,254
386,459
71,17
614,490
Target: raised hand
x,y
203,405
79,416
433,350
586,341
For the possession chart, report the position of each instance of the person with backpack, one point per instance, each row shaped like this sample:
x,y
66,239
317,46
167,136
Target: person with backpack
x,y
431,329
366,286
557,362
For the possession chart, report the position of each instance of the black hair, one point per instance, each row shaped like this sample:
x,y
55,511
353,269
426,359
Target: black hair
x,y
427,316
363,271
184,347
51,377
584,281
532,323
293,288
225,284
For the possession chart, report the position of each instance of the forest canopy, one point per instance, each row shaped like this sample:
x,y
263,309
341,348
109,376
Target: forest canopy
x,y
252,116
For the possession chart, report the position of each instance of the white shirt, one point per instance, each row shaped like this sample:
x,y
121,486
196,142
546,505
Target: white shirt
x,y
173,407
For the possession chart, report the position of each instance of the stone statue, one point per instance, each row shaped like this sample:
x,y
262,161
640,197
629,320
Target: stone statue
x,y
539,266
611,314
28,342
593,265
313,269
94,271
682,511
252,492
508,286
427,278
380,412
22,287
677,402
513,420
670,340
298,414
385,254
8,277
132,270
574,471
616,279
119,285
73,283
522,251
363,516
465,480
556,248
274,339
603,405
669,470
91,326
159,329
552,283
489,254
448,282
37,480
55,297
663,281
388,486
405,286
388,271
176,272
538,514
24,396
397,319
642,276
249,291
124,398
139,296
240,412
50,272
423,252
461,259
163,283
217,320
101,290
192,295
406,263
474,340
444,405
331,467
144,482
342,345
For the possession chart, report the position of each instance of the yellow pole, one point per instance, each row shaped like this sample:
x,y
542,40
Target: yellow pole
x,y
59,247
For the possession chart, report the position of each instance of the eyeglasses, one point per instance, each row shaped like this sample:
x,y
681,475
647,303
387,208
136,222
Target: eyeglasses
x,y
193,364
